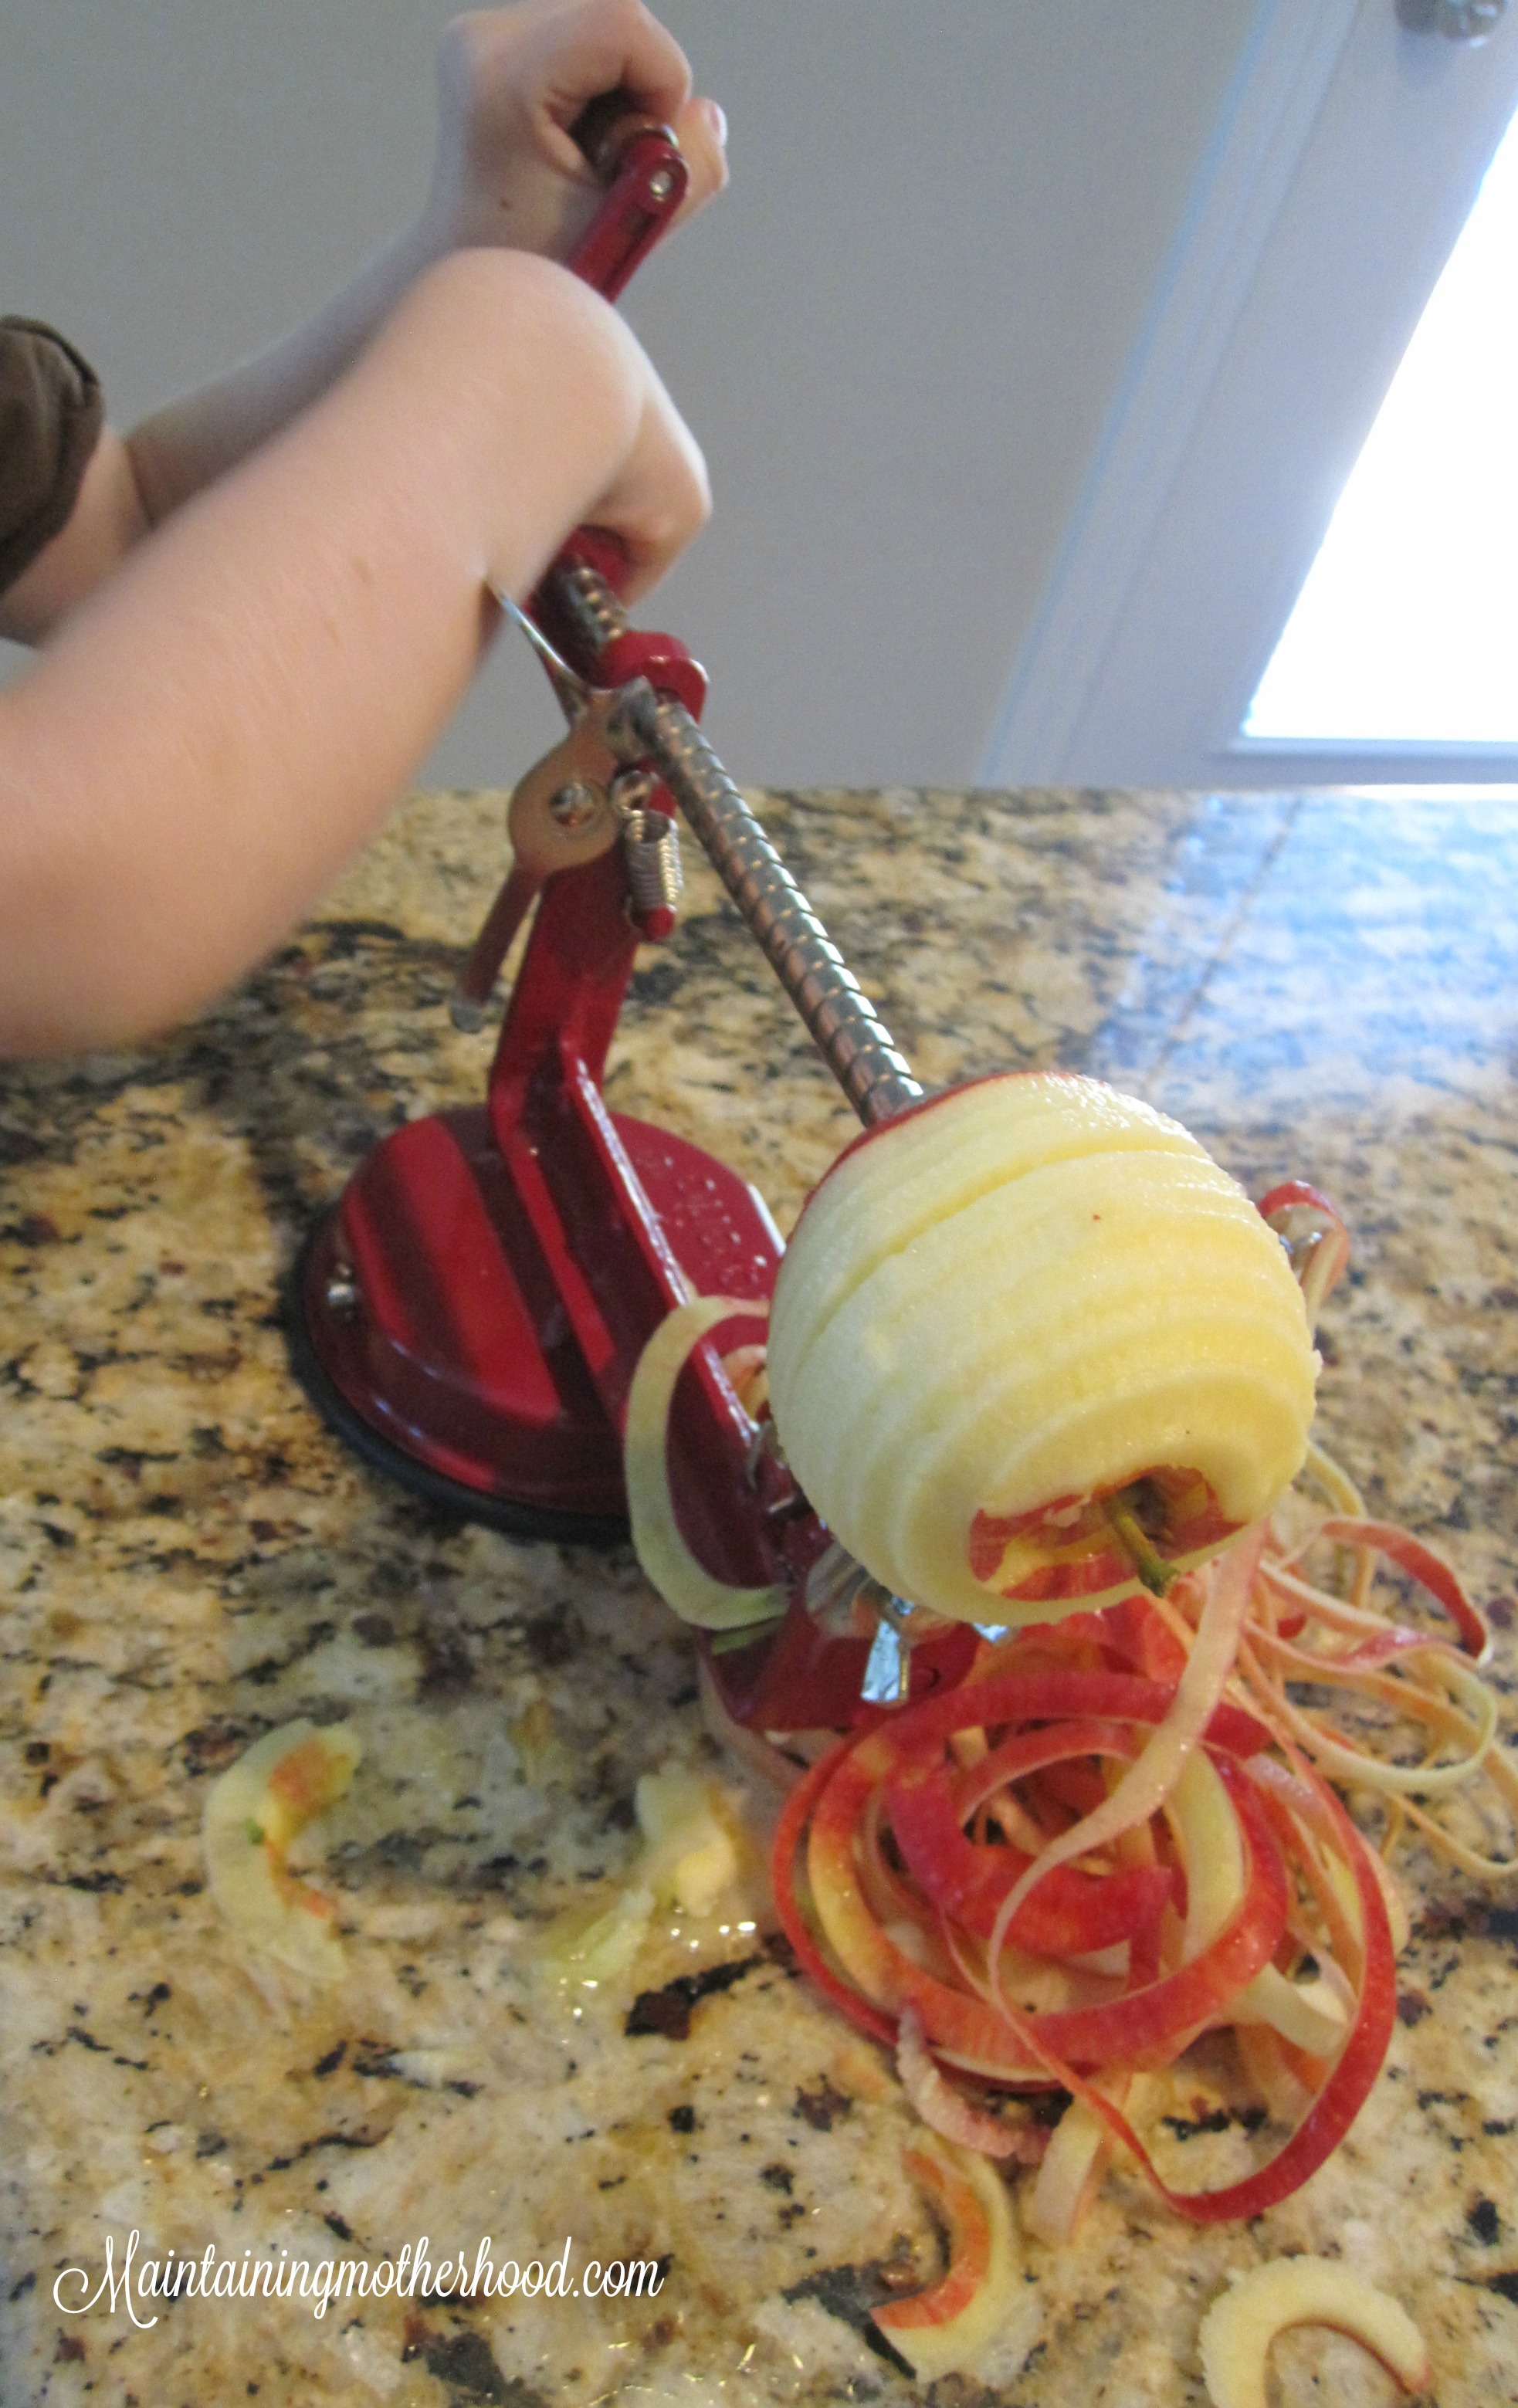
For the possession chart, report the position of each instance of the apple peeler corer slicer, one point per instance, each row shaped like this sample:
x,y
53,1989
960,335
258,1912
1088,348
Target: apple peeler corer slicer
x,y
471,1314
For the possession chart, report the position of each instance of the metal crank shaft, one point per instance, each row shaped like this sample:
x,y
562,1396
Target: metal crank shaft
x,y
854,1041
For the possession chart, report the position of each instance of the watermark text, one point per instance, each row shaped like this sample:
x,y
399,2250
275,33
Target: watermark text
x,y
135,2282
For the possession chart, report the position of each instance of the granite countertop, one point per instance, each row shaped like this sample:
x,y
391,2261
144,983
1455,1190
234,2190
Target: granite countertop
x,y
1319,986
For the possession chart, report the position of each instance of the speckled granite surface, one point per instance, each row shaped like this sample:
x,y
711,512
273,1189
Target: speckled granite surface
x,y
1325,987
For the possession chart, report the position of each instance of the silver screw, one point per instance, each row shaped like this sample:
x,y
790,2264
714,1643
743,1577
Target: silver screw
x,y
574,806
629,790
340,1294
661,184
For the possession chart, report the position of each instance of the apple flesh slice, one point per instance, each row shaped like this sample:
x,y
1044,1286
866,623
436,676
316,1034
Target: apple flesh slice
x,y
697,1596
1031,1349
1238,2328
947,2327
253,1814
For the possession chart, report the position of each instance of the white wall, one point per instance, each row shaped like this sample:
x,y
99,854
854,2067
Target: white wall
x,y
899,336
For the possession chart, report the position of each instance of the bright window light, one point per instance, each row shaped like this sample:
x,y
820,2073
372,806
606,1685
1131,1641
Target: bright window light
x,y
1407,628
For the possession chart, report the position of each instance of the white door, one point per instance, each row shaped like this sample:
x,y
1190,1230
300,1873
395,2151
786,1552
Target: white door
x,y
1348,158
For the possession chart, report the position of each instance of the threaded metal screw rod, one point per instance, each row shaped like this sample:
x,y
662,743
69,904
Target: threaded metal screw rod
x,y
854,1041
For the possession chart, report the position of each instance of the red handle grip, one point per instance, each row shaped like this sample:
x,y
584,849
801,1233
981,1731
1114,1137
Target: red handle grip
x,y
646,177
645,173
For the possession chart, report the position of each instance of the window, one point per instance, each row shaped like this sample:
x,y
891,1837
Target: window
x,y
1406,627
1350,156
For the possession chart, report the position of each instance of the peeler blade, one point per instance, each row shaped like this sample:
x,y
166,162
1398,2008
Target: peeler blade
x,y
575,696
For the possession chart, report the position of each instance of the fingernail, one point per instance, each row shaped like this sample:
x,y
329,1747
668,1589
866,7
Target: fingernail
x,y
717,118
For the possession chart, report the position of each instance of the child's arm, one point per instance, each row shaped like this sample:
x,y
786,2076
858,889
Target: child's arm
x,y
512,83
232,714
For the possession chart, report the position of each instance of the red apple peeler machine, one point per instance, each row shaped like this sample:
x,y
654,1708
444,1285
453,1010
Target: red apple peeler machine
x,y
470,1315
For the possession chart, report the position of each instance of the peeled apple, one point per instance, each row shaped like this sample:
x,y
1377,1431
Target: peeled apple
x,y
1031,1348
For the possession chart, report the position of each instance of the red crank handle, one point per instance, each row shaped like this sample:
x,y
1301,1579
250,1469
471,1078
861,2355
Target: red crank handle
x,y
645,173
469,1002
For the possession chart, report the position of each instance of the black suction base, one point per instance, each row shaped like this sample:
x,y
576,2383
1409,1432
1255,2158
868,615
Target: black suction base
x,y
451,1497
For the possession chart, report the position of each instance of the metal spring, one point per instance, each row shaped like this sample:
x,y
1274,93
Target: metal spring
x,y
650,850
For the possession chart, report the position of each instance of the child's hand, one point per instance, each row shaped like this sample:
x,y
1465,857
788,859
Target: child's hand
x,y
513,81
509,176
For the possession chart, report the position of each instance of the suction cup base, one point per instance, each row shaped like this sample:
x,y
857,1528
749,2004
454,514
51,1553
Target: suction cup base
x,y
457,1498
437,1330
